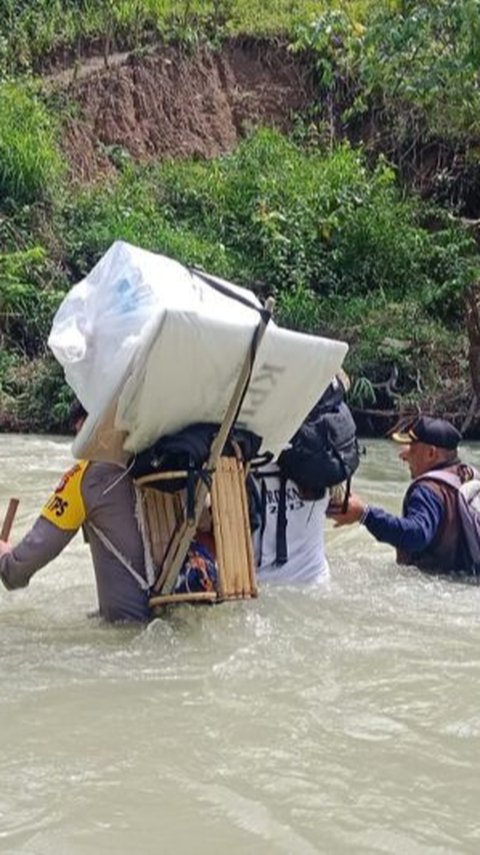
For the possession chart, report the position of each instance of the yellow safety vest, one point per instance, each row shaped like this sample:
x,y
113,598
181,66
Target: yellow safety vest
x,y
65,507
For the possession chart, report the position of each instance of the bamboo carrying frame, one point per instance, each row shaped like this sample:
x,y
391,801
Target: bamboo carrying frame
x,y
163,517
231,529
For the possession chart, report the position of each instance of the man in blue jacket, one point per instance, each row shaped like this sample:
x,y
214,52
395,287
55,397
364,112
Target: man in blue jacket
x,y
429,533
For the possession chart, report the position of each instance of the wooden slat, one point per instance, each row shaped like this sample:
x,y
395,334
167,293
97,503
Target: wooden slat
x,y
233,524
161,521
251,582
246,550
217,533
223,528
232,531
144,480
180,543
167,599
164,515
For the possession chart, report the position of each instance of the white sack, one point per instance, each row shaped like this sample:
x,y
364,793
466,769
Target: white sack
x,y
149,347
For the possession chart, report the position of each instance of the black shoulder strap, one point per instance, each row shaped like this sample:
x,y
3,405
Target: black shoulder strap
x,y
265,314
348,490
223,288
282,551
263,517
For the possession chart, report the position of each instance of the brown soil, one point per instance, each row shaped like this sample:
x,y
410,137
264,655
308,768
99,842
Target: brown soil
x,y
170,104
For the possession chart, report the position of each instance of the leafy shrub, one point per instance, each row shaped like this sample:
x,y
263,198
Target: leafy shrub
x,y
320,220
293,223
28,299
130,211
42,398
426,55
414,64
30,164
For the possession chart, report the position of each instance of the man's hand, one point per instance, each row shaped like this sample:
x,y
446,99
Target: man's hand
x,y
5,547
355,509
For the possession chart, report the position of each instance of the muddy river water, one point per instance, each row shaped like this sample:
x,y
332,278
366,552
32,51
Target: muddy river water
x,y
340,720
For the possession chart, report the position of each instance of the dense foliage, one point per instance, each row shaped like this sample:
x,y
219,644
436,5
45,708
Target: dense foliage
x,y
422,54
337,243
30,29
30,165
406,80
283,218
326,220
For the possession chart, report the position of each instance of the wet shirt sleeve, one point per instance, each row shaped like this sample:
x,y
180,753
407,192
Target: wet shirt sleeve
x,y
60,518
416,529
40,545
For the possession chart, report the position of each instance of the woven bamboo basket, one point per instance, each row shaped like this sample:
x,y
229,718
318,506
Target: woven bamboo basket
x,y
163,515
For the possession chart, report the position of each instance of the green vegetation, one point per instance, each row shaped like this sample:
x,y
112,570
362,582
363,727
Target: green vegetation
x,y
30,165
294,222
328,220
29,29
422,57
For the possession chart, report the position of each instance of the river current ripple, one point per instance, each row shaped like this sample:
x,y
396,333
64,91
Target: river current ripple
x,y
340,720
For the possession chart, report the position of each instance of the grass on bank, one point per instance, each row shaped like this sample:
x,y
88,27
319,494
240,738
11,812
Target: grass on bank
x,y
32,29
30,163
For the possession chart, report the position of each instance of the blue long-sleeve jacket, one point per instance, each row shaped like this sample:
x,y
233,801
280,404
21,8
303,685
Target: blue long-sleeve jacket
x,y
416,530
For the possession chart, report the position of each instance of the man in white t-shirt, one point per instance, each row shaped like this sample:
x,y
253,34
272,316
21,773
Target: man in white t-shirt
x,y
298,557
289,545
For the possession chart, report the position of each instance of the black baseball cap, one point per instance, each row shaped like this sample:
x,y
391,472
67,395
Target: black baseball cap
x,y
437,432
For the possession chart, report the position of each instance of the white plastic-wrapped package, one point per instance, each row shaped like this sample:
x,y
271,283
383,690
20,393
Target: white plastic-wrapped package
x,y
149,347
104,319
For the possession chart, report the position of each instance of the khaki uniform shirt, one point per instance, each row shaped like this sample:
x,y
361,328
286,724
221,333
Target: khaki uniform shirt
x,y
101,498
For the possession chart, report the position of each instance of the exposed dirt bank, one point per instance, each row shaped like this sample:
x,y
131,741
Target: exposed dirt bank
x,y
172,104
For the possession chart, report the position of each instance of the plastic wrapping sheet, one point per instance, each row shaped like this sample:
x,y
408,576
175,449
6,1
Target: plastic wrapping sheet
x,y
148,346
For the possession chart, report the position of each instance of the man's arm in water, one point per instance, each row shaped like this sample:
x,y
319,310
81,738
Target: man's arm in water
x,y
412,532
60,518
40,545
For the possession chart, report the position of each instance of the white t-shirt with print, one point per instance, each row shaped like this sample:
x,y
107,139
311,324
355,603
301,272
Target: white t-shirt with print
x,y
306,563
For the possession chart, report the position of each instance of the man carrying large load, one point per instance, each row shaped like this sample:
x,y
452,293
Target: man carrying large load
x,y
151,348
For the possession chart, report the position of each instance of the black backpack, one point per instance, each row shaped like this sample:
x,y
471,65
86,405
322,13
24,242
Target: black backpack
x,y
324,451
188,451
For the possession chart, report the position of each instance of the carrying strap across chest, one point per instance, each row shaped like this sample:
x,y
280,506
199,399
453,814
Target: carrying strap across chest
x,y
447,476
144,584
282,549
